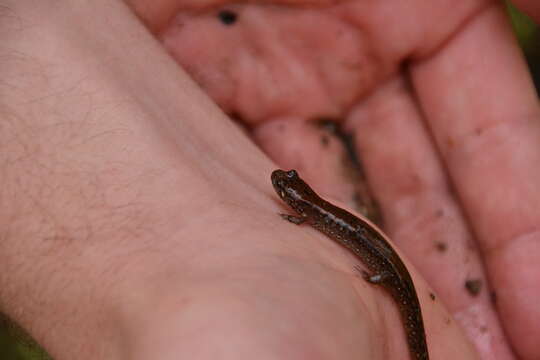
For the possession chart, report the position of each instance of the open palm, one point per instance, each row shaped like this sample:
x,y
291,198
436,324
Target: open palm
x,y
443,114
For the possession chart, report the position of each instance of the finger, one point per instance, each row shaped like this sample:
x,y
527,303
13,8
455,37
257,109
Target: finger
x,y
480,103
156,14
420,212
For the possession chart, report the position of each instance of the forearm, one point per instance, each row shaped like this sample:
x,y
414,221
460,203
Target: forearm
x,y
90,166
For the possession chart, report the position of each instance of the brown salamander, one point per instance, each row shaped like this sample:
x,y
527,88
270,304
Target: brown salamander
x,y
366,243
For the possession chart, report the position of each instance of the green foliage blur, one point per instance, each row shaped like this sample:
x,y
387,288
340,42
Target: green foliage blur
x,y
15,345
528,35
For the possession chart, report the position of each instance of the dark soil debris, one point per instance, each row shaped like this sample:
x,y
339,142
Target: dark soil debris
x,y
473,286
227,17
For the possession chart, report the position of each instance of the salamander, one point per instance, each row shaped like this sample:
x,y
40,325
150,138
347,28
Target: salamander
x,y
366,243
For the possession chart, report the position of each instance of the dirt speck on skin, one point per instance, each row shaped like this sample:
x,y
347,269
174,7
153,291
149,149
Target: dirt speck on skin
x,y
473,286
441,246
483,329
493,296
325,140
432,296
227,17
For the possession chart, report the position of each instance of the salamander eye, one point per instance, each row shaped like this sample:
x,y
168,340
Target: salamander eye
x,y
292,174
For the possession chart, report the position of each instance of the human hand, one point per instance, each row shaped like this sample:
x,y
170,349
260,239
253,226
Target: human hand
x,y
436,96
124,254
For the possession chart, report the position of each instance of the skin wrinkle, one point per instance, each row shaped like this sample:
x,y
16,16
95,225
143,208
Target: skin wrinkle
x,y
483,7
465,141
472,135
501,247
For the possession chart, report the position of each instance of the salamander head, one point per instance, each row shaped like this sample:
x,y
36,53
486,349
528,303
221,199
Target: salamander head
x,y
293,190
283,181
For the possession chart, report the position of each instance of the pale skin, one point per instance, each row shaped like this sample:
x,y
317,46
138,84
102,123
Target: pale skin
x,y
138,222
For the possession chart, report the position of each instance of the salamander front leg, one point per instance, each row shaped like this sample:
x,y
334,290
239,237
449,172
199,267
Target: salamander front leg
x,y
294,219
